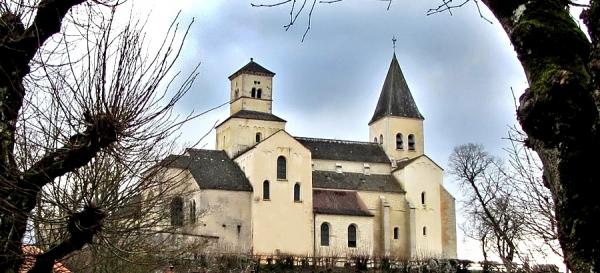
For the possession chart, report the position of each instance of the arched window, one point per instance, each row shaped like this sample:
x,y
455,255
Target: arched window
x,y
259,93
237,93
411,142
423,198
193,211
253,92
375,140
396,235
258,137
352,235
177,211
281,168
325,234
381,139
399,141
266,190
424,231
297,192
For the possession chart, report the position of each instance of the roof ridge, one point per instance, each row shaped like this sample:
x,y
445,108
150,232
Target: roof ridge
x,y
341,141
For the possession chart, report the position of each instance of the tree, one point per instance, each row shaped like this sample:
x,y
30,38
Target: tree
x,y
558,112
83,108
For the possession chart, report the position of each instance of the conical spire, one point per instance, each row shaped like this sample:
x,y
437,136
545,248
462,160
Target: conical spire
x,y
395,98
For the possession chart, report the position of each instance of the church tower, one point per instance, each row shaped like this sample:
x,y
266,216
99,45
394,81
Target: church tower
x,y
397,124
251,119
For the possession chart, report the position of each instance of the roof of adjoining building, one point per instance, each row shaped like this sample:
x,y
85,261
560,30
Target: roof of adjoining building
x,y
211,169
395,98
356,181
247,114
343,150
253,68
339,203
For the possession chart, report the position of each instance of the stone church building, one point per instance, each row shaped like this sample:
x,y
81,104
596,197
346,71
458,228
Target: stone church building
x,y
264,191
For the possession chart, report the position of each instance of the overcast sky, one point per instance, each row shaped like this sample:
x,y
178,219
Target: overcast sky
x,y
459,68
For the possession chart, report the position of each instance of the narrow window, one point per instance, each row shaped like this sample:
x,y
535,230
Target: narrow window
x,y
396,233
177,211
325,234
253,92
381,139
266,190
258,137
411,142
375,140
423,198
297,192
259,93
281,168
399,141
193,211
237,93
239,229
352,235
424,231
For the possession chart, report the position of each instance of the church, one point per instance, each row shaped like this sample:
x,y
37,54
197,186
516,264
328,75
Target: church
x,y
263,191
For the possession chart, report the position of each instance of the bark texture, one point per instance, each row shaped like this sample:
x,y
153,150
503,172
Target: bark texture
x,y
559,112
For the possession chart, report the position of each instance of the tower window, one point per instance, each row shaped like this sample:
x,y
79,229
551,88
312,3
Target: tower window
x,y
258,137
259,93
266,190
352,235
253,92
297,192
424,231
281,168
411,142
423,198
396,235
237,93
381,139
325,234
399,141
177,211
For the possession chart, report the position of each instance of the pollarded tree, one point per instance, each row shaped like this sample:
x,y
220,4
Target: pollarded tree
x,y
82,110
559,111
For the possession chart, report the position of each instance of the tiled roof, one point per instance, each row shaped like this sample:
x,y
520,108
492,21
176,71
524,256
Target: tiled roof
x,y
395,98
211,169
253,115
342,150
253,68
356,181
339,203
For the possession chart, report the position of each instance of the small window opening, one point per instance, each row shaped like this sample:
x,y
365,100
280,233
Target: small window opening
x,y
411,142
259,93
266,190
177,211
281,168
325,234
297,192
381,139
193,211
253,92
258,137
424,231
396,233
375,140
423,198
352,235
399,141
239,229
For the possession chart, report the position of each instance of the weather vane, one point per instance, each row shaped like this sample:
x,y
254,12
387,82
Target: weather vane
x,y
394,41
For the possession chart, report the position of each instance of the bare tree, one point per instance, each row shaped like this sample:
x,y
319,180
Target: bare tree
x,y
84,107
559,111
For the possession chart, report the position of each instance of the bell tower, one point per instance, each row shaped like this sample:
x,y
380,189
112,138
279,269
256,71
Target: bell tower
x,y
397,124
251,89
250,118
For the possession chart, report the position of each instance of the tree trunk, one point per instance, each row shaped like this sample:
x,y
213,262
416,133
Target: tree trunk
x,y
559,113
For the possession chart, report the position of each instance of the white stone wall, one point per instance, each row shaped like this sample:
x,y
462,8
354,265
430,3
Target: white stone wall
x,y
338,235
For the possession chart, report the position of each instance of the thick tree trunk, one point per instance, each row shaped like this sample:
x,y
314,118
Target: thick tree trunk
x,y
559,113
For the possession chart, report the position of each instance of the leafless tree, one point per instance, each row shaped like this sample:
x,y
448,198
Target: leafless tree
x,y
84,108
559,111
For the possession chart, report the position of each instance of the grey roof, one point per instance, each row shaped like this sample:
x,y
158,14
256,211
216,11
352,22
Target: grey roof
x,y
331,149
253,68
339,203
356,181
211,169
395,98
247,114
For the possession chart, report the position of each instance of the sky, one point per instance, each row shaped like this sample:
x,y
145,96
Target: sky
x,y
460,68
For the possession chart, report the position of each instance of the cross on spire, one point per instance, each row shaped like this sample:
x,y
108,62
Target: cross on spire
x,y
394,42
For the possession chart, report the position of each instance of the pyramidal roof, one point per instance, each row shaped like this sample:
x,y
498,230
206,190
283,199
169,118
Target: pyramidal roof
x,y
395,98
253,68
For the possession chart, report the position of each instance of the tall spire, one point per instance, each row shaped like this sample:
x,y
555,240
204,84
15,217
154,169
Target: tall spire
x,y
395,98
